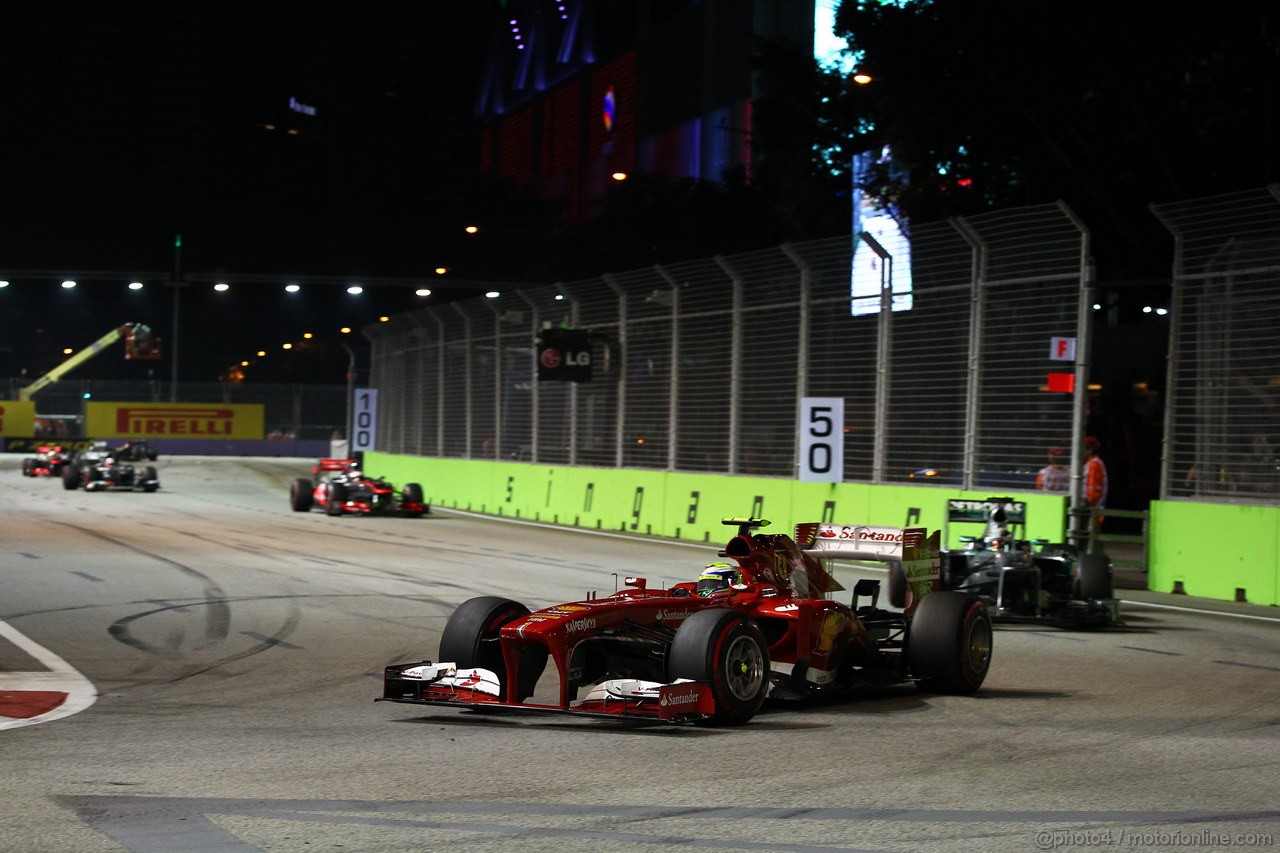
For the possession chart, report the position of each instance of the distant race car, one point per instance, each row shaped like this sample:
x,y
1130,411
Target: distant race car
x,y
711,651
347,489
135,450
1022,580
98,470
48,461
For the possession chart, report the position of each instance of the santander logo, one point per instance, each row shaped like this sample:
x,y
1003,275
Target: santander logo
x,y
687,697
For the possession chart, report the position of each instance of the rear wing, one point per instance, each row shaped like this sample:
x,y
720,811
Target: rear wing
x,y
1015,512
914,548
331,465
997,513
865,542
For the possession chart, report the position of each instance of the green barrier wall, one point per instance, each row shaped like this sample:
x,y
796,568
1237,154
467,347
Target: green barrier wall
x,y
680,505
1218,551
1211,550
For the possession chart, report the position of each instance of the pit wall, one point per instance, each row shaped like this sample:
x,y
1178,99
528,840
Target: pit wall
x,y
1205,550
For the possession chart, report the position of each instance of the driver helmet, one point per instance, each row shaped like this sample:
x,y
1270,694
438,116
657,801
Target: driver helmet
x,y
716,578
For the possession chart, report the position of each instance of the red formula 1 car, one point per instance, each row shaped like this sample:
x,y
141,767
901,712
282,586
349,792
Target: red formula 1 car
x,y
710,652
47,462
348,489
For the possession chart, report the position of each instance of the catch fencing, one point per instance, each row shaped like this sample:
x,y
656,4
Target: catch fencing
x,y
700,366
1222,413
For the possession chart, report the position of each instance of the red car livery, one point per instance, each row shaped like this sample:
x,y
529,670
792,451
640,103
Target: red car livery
x,y
688,655
48,461
343,488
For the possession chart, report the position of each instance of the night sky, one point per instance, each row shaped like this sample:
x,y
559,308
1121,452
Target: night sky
x,y
281,139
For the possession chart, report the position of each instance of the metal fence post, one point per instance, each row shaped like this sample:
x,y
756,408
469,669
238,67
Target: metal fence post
x,y
620,425
1084,339
466,382
533,391
673,387
440,374
735,360
573,390
1171,377
884,332
498,388
977,300
802,338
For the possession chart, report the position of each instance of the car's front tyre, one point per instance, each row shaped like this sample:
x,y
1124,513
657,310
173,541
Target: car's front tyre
x,y
727,650
301,495
1093,577
470,639
412,494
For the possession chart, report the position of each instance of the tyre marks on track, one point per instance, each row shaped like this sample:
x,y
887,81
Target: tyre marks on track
x,y
218,613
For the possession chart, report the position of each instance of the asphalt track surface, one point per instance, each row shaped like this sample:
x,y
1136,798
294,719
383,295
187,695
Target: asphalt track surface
x,y
227,651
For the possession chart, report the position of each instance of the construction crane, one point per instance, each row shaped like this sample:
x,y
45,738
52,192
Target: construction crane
x,y
139,343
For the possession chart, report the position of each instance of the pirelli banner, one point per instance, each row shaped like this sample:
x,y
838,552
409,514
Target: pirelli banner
x,y
174,420
17,418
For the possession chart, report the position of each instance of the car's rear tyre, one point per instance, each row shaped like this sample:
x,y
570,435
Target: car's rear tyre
x,y
27,465
70,478
412,494
470,639
1093,577
727,650
949,643
301,495
337,497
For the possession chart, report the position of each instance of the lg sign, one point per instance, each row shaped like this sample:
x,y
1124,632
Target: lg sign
x,y
564,355
553,358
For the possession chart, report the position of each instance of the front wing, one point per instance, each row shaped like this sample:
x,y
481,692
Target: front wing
x,y
444,684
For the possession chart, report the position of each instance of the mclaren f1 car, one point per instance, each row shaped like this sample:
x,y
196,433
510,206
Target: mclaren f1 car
x,y
47,462
711,653
343,488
